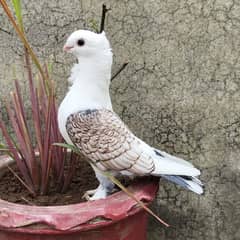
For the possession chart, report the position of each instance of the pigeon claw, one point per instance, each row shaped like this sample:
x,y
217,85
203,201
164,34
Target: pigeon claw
x,y
89,194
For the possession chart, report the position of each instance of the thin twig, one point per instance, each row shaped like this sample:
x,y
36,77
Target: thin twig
x,y
131,195
104,11
119,71
27,201
23,183
5,31
115,181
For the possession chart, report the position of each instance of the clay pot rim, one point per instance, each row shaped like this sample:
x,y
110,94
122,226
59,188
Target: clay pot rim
x,y
73,217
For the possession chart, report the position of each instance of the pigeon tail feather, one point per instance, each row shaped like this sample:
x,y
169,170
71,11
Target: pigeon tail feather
x,y
190,183
166,164
177,170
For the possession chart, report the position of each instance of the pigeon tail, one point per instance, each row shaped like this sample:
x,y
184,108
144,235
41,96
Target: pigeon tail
x,y
191,183
166,164
177,170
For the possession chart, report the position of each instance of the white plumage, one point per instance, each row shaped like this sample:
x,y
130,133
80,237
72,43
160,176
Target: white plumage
x,y
86,119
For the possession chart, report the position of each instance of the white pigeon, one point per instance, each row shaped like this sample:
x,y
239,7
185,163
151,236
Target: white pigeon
x,y
86,120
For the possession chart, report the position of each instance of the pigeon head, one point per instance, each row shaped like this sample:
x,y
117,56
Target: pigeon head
x,y
85,44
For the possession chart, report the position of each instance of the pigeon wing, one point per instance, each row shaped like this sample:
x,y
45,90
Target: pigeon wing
x,y
107,142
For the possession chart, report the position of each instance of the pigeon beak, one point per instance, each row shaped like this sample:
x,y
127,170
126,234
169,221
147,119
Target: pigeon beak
x,y
67,48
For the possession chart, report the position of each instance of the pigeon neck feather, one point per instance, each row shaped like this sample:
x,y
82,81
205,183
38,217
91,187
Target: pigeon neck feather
x,y
90,80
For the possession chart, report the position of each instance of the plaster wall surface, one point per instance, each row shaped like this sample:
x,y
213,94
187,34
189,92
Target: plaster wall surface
x,y
180,92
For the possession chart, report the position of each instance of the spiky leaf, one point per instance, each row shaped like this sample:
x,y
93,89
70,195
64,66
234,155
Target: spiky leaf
x,y
18,12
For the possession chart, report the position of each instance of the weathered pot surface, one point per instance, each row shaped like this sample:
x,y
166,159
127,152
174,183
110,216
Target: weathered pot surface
x,y
116,217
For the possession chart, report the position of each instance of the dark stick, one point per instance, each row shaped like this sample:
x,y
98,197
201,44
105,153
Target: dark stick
x,y
3,30
104,11
119,71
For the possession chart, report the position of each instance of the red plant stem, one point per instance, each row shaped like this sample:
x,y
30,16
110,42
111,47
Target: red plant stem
x,y
59,158
44,112
35,171
18,131
16,155
71,171
34,104
22,155
26,141
46,151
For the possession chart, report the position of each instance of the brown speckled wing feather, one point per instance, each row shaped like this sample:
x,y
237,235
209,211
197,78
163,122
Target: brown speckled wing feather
x,y
106,141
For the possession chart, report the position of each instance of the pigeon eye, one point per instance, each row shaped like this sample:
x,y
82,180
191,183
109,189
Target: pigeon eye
x,y
80,42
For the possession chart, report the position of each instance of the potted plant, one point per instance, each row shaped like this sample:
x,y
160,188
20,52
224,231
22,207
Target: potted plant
x,y
39,162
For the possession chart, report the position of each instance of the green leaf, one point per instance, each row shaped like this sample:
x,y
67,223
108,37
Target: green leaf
x,y
93,24
50,64
18,11
68,146
3,148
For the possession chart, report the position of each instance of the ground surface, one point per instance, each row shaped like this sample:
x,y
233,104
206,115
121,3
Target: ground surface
x,y
180,92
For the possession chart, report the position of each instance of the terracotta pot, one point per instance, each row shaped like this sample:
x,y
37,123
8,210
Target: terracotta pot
x,y
116,217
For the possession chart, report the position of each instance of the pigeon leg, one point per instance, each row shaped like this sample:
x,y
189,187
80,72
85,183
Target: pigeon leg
x,y
100,193
105,187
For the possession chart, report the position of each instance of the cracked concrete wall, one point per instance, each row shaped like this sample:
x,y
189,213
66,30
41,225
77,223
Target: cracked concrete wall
x,y
179,93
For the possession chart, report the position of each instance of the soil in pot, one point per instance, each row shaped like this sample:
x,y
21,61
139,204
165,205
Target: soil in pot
x,y
84,179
